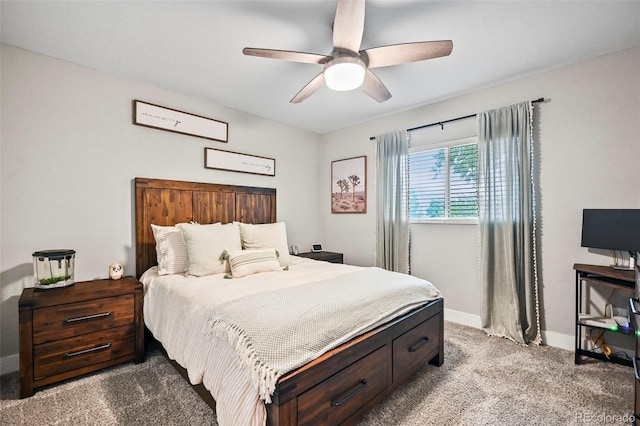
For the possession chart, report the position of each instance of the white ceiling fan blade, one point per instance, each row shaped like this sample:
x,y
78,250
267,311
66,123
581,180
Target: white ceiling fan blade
x,y
406,52
309,89
348,25
287,55
374,88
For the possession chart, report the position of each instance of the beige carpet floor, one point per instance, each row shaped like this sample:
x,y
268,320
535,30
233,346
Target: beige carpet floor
x,y
484,381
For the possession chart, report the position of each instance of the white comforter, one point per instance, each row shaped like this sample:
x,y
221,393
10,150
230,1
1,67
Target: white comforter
x,y
177,309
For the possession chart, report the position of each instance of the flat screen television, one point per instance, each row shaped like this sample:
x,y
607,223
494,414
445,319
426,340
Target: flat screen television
x,y
613,229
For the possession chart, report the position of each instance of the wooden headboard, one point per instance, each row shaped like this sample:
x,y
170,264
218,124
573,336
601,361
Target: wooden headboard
x,y
167,202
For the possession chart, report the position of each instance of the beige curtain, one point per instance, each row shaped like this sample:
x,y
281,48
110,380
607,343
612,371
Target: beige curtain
x,y
392,187
508,224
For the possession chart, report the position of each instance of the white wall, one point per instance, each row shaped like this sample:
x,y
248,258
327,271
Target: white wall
x,y
70,151
589,153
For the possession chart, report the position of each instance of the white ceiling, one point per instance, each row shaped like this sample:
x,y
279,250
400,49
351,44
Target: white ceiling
x,y
195,48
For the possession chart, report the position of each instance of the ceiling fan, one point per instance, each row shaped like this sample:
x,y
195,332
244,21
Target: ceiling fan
x,y
348,67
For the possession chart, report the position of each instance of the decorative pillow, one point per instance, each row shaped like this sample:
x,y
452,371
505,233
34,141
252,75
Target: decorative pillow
x,y
247,262
206,244
270,235
170,250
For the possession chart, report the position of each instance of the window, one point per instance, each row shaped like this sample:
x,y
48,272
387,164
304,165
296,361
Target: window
x,y
443,183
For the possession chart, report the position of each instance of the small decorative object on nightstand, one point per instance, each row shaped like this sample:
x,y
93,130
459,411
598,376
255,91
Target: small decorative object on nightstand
x,y
76,330
116,271
327,256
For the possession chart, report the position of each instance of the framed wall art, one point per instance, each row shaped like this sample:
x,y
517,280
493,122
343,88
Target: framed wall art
x,y
172,120
349,185
237,162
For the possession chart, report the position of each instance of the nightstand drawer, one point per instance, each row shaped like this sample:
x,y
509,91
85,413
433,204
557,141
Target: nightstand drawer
x,y
77,352
73,319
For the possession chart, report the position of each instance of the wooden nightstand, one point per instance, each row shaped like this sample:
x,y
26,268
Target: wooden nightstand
x,y
327,256
76,330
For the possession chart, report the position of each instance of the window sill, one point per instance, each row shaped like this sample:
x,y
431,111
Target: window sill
x,y
444,221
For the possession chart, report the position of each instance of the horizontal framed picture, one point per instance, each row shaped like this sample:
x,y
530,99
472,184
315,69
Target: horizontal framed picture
x,y
237,162
349,185
172,120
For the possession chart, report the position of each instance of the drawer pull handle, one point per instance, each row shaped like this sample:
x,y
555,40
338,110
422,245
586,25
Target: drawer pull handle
x,y
419,344
359,388
632,305
635,367
87,317
86,351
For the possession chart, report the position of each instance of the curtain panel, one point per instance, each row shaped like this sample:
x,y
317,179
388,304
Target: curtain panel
x,y
507,217
392,206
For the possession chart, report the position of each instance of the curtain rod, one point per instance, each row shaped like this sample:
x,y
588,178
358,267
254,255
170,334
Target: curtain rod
x,y
441,123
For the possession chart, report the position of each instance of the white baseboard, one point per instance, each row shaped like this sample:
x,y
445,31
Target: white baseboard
x,y
558,340
462,318
9,364
551,338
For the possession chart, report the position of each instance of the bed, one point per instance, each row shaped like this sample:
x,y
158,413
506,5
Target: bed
x,y
339,386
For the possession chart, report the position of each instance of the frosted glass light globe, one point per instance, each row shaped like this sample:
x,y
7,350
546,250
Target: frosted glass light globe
x,y
344,74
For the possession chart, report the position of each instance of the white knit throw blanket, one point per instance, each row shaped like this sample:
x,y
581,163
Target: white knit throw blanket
x,y
277,331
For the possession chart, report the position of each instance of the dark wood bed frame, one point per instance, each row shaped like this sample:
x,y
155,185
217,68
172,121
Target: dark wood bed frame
x,y
340,386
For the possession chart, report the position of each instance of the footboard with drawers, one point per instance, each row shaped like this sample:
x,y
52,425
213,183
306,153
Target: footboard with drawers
x,y
339,387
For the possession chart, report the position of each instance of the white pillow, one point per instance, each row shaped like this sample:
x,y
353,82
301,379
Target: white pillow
x,y
170,250
206,244
270,235
247,262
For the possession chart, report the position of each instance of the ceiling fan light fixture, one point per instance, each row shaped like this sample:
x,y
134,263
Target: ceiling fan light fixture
x,y
344,73
348,67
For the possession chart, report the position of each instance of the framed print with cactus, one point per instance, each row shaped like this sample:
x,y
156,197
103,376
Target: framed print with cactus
x,y
349,185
